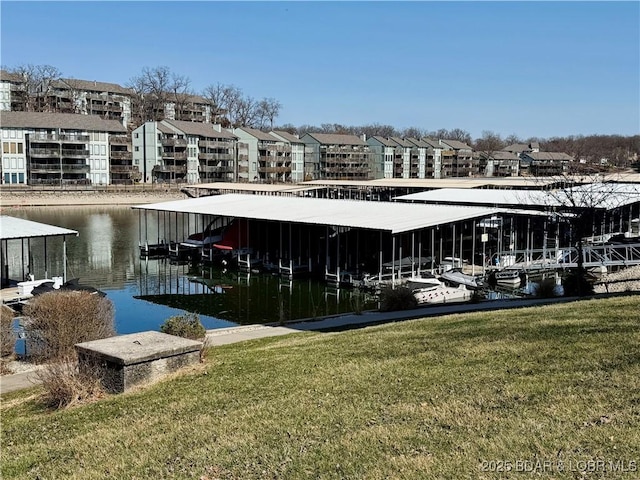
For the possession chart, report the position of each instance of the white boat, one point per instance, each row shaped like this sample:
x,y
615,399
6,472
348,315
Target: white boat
x,y
509,277
459,278
208,237
435,292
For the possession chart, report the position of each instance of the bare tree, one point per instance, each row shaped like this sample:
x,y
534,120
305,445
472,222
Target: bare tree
x,y
39,81
152,89
489,143
268,110
181,94
413,132
582,205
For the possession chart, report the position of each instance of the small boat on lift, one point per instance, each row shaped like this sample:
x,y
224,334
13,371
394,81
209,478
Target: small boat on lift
x,y
458,278
432,291
509,276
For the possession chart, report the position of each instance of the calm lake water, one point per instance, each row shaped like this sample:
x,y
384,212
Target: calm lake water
x,y
146,292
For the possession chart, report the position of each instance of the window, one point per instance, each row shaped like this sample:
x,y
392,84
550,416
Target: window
x,y
21,178
20,148
13,147
5,147
12,134
20,162
103,149
136,135
14,178
136,149
7,178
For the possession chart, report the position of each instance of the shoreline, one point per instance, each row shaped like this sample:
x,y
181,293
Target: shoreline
x,y
71,198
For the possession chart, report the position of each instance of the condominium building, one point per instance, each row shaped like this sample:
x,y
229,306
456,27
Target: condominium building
x,y
297,153
175,151
270,157
10,91
499,164
58,148
545,163
337,157
384,157
463,163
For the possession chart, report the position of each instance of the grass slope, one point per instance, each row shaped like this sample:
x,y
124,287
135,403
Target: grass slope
x,y
434,398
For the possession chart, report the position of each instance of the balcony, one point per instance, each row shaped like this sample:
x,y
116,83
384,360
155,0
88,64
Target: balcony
x,y
170,169
75,168
174,142
214,144
121,155
44,152
43,137
118,139
215,156
123,168
74,138
274,169
215,169
75,153
174,155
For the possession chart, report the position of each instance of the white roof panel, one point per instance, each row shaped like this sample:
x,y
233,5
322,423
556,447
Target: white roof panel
x,y
394,217
15,228
599,195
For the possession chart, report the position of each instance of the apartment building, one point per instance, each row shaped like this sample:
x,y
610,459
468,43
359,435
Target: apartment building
x,y
58,148
499,164
175,151
270,157
337,157
384,156
11,96
545,163
460,161
297,153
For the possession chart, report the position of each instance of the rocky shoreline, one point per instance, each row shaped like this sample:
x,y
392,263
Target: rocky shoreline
x,y
626,280
85,197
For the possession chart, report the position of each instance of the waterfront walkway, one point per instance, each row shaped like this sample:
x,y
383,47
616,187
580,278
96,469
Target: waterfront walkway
x,y
225,336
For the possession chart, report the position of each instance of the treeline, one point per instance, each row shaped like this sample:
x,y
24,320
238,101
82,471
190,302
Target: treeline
x,y
154,87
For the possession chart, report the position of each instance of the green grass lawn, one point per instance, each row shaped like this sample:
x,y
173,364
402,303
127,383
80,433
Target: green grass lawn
x,y
460,396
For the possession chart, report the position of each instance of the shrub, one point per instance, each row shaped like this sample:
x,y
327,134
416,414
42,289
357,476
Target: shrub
x,y
57,320
65,385
187,326
546,288
399,298
577,285
7,335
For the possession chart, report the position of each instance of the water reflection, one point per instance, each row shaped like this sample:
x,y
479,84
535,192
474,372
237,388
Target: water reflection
x,y
146,292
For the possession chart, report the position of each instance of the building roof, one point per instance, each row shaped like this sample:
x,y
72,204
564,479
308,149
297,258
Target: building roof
x,y
517,148
456,145
65,121
432,143
16,228
549,156
393,217
402,142
6,76
418,143
199,129
384,141
92,86
336,139
499,155
287,136
259,134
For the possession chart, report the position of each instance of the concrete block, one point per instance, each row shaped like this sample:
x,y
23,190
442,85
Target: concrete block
x,y
126,361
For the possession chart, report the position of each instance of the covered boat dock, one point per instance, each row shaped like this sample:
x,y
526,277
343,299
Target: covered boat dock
x,y
334,238
19,272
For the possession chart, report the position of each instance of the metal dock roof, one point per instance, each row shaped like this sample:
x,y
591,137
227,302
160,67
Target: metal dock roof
x,y
15,228
394,217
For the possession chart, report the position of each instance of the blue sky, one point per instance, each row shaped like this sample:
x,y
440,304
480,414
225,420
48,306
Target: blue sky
x,y
538,69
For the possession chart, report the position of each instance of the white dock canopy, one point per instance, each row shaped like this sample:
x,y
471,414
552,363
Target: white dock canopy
x,y
392,217
605,196
12,228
